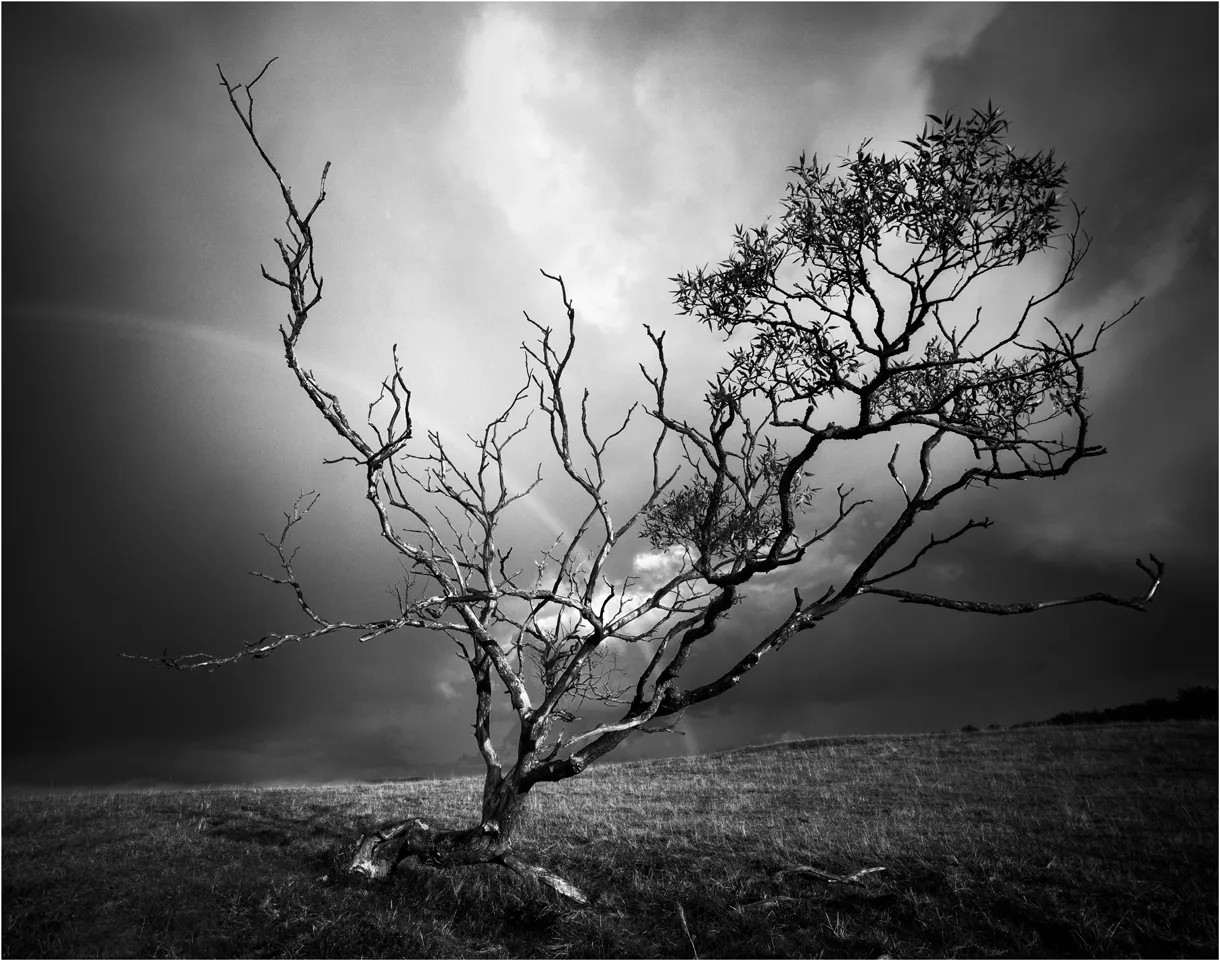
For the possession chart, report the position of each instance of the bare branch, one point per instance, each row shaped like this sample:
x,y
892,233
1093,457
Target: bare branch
x,y
806,301
933,542
1138,602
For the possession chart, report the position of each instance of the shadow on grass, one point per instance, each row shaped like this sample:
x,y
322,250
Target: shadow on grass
x,y
266,826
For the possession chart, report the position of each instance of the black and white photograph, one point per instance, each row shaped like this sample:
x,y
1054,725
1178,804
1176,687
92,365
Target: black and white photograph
x,y
643,480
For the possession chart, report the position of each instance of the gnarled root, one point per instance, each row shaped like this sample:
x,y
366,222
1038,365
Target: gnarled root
x,y
543,876
377,854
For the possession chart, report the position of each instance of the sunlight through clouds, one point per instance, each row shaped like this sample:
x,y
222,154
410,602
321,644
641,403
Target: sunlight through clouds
x,y
617,145
505,137
617,171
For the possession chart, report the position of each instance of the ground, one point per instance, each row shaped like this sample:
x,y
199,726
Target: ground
x,y
1042,842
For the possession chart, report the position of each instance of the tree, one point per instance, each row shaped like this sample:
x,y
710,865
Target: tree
x,y
843,305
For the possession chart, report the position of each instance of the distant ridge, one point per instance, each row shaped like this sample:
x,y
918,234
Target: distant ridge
x,y
1191,704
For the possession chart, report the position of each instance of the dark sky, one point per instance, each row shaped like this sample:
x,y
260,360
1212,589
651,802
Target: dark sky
x,y
151,431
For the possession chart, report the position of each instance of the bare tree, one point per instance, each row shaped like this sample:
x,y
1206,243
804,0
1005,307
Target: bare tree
x,y
844,304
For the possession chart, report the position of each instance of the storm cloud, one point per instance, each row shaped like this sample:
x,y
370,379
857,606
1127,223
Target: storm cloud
x,y
151,430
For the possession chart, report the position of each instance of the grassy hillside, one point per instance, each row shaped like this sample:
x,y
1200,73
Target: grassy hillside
x,y
1044,842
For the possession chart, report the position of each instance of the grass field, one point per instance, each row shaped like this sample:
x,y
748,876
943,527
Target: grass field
x,y
1042,842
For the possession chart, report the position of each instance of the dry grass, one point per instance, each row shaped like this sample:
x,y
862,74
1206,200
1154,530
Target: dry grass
x,y
1045,842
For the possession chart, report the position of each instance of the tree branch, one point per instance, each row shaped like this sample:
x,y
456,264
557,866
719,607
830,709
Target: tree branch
x,y
1138,602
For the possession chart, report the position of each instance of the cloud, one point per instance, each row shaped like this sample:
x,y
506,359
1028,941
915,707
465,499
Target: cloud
x,y
453,681
618,144
659,566
946,572
508,137
603,163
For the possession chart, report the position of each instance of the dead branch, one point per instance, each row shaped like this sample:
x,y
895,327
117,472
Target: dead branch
x,y
806,871
1138,602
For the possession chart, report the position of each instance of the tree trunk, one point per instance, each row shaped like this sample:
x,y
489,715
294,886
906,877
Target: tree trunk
x,y
489,842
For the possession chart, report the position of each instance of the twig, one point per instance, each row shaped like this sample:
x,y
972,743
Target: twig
x,y
686,930
826,876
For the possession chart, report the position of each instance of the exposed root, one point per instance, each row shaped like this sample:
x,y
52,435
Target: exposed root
x,y
377,854
686,929
542,875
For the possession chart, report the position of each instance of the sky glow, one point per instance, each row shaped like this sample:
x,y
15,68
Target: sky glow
x,y
152,430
